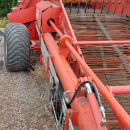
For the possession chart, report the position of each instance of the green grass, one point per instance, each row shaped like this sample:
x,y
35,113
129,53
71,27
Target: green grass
x,y
15,83
44,115
3,22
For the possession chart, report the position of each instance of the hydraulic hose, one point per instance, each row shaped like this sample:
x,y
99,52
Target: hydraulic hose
x,y
95,89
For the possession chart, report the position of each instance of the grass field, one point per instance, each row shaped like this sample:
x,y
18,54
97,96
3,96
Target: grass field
x,y
3,22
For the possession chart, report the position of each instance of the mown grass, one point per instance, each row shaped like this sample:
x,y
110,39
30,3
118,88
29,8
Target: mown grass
x,y
3,22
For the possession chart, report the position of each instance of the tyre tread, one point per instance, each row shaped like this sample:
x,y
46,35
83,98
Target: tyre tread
x,y
18,47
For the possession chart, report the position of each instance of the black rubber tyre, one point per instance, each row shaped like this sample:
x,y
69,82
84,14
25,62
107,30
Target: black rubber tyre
x,y
16,47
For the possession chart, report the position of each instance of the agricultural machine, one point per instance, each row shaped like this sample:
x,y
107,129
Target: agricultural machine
x,y
84,46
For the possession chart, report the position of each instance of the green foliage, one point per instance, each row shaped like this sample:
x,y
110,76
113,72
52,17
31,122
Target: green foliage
x,y
44,114
3,21
6,6
15,83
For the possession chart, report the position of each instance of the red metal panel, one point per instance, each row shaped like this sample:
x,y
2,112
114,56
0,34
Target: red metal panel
x,y
31,30
57,2
27,4
24,4
32,3
40,7
113,6
65,23
23,16
53,13
127,8
43,5
119,7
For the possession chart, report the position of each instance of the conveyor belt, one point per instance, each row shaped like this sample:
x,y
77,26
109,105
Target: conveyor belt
x,y
85,26
124,100
119,52
114,68
111,63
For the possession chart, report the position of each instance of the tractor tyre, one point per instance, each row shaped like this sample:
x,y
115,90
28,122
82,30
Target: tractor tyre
x,y
16,47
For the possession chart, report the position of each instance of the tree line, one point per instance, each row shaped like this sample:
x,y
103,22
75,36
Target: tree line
x,y
6,6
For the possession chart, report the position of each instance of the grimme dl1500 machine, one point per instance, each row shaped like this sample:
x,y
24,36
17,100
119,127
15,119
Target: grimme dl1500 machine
x,y
85,50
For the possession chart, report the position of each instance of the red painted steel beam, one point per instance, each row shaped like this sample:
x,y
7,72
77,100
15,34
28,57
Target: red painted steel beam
x,y
65,22
82,43
69,81
120,89
117,108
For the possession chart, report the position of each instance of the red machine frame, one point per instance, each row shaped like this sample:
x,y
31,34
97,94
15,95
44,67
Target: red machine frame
x,y
48,21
